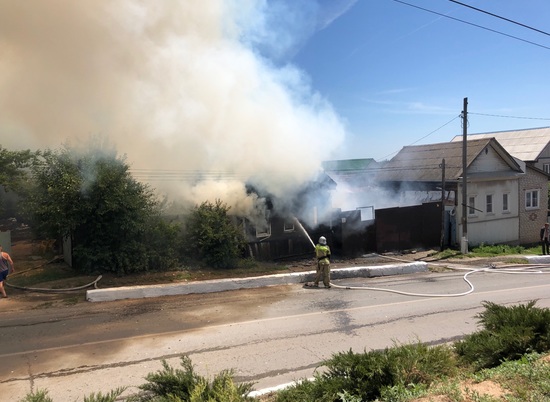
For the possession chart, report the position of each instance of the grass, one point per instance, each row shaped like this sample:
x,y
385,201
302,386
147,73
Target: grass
x,y
497,250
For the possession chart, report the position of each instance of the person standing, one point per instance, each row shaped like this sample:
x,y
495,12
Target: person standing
x,y
6,267
544,239
322,254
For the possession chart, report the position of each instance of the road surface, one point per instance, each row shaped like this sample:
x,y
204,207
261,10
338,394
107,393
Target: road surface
x,y
269,336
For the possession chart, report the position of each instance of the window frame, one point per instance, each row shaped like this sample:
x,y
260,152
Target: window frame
x,y
532,197
489,203
506,202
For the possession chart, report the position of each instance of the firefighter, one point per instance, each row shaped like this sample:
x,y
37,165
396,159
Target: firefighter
x,y
322,255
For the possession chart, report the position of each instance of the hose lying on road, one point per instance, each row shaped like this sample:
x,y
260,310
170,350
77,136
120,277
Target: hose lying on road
x,y
511,269
46,290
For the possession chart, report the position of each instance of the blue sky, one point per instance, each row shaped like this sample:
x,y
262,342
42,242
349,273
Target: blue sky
x,y
395,73
263,91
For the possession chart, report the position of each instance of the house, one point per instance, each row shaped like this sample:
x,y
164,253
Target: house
x,y
288,227
529,145
503,201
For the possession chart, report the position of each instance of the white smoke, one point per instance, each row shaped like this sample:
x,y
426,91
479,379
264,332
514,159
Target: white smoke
x,y
175,86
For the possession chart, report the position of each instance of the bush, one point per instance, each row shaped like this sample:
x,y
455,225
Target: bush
x,y
175,385
508,333
367,375
212,237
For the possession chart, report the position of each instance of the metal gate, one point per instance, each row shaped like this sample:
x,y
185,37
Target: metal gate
x,y
405,228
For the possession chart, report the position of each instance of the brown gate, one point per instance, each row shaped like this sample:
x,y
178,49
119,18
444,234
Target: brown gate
x,y
404,228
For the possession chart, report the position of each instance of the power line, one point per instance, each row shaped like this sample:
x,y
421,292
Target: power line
x,y
427,135
510,117
502,18
471,23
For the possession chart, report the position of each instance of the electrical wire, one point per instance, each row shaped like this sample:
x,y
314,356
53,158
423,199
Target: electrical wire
x,y
500,17
427,135
510,117
472,24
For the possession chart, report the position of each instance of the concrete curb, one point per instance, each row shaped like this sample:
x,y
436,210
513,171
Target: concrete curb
x,y
137,292
538,259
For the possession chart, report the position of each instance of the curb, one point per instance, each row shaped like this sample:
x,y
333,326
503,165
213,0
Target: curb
x,y
212,286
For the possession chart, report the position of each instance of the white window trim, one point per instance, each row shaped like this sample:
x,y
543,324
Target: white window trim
x,y
265,233
529,195
288,227
472,212
492,212
507,209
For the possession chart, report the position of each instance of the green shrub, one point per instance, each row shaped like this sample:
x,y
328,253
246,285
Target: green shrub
x,y
508,333
37,396
179,385
367,375
212,237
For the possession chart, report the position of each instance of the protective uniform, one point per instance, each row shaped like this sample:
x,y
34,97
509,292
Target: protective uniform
x,y
322,254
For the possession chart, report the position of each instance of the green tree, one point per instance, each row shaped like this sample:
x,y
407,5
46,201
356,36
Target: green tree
x,y
110,217
14,176
14,167
212,236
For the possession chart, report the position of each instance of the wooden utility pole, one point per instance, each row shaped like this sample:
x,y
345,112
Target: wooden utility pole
x,y
464,240
442,245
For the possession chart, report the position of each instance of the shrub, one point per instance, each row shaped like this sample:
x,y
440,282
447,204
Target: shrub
x,y
367,375
37,396
212,237
508,333
176,385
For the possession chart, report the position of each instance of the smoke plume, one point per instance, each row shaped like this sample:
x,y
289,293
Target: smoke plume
x,y
177,86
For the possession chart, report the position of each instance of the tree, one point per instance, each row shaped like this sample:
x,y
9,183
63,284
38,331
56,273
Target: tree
x,y
212,237
109,216
14,175
14,167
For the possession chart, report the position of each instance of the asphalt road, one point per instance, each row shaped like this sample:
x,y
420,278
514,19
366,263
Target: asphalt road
x,y
269,336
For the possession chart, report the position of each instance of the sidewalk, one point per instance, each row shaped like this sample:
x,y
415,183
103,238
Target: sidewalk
x,y
211,286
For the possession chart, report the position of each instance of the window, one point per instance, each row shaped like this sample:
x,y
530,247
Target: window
x,y
505,207
471,205
288,227
546,167
264,231
489,203
531,199
367,213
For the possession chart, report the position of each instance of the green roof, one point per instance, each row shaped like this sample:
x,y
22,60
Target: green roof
x,y
347,164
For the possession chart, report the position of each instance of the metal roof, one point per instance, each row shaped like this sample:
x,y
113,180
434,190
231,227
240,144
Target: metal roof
x,y
422,163
345,165
526,145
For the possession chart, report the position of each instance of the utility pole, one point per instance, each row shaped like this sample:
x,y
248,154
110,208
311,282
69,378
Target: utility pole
x,y
464,240
442,246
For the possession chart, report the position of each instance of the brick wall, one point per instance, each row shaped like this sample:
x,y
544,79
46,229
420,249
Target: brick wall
x,y
530,221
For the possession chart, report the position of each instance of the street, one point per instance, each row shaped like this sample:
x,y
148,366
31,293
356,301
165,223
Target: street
x,y
269,336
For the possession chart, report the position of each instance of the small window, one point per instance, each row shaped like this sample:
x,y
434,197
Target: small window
x,y
489,203
264,231
471,205
288,227
505,207
532,199
367,213
546,167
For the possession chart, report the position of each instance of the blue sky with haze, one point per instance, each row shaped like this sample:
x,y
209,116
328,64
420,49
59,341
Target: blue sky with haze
x,y
395,73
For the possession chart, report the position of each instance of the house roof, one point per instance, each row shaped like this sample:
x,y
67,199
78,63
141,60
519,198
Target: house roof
x,y
347,165
526,145
422,163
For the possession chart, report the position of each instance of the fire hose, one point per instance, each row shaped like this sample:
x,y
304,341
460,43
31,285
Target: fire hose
x,y
510,269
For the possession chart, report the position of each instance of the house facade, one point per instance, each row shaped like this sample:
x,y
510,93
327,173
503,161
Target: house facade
x,y
533,204
532,146
491,213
